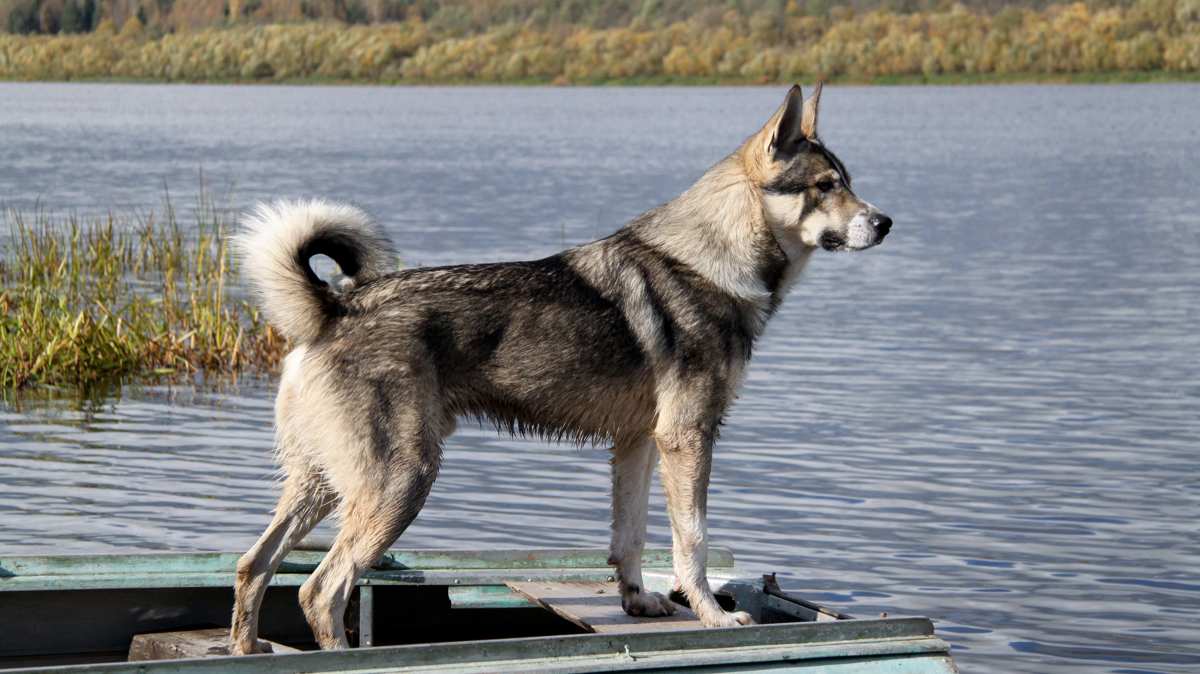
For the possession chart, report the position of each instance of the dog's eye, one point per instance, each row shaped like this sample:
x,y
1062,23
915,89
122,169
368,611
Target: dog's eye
x,y
825,185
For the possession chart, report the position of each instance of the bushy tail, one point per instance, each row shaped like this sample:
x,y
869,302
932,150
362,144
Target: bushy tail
x,y
275,245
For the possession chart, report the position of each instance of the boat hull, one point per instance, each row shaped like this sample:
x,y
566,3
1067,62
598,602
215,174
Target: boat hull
x,y
429,611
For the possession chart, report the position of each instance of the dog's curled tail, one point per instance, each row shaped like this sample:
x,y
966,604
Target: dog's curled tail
x,y
276,243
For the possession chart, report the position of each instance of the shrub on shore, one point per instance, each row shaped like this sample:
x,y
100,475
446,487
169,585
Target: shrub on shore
x,y
1147,36
88,304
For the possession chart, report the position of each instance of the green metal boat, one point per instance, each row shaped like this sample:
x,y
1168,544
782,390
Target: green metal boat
x,y
435,611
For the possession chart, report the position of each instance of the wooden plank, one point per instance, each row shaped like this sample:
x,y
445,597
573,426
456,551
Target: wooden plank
x,y
190,644
596,607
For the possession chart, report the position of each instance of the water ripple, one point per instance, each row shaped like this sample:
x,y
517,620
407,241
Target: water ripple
x,y
990,420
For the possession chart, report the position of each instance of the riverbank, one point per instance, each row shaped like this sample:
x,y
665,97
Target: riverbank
x,y
86,305
1070,43
1107,77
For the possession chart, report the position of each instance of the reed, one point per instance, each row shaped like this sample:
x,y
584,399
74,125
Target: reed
x,y
86,305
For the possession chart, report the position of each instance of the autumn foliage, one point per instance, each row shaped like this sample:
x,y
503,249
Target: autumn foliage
x,y
788,42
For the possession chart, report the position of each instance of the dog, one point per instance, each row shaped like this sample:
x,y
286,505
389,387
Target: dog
x,y
640,339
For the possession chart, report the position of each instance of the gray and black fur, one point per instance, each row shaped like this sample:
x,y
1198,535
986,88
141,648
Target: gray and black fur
x,y
639,339
532,345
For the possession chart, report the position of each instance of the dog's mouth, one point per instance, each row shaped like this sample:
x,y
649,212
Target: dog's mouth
x,y
832,241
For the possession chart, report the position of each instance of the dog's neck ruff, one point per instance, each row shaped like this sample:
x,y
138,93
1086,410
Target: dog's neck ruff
x,y
716,229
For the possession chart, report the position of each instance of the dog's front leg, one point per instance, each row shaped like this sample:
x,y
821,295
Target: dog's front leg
x,y
632,467
686,463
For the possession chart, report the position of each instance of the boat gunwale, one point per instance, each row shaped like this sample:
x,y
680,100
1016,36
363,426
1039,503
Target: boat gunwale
x,y
306,561
836,636
872,637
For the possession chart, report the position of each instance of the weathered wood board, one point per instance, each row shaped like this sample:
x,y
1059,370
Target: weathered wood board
x,y
190,644
596,607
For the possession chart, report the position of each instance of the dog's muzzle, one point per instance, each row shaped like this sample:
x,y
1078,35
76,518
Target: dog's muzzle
x,y
865,230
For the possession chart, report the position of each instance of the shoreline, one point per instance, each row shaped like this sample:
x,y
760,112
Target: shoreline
x,y
954,79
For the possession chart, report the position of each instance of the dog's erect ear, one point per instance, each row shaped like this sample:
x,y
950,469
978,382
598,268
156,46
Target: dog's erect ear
x,y
808,121
788,133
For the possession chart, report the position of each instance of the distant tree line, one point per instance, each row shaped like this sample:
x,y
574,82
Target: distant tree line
x,y
456,17
588,41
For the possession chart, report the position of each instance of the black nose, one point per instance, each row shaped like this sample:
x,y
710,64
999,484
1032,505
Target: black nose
x,y
882,224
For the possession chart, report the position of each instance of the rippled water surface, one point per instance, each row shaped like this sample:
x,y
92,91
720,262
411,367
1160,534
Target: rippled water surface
x,y
992,419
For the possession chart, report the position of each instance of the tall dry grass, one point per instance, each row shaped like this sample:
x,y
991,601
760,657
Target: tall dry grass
x,y
88,304
1147,36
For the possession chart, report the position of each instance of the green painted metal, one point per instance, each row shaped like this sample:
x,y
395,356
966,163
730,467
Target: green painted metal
x,y
397,567
305,561
225,579
486,596
475,581
921,664
809,647
366,617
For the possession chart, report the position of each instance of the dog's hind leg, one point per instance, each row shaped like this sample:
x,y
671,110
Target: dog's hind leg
x,y
372,522
304,502
686,453
632,468
391,491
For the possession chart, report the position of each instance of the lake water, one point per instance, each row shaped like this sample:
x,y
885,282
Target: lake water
x,y
992,419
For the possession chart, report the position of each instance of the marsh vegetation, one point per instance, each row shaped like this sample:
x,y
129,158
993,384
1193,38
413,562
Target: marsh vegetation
x,y
86,304
756,41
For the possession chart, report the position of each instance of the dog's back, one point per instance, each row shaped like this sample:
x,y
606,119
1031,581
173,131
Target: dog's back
x,y
529,345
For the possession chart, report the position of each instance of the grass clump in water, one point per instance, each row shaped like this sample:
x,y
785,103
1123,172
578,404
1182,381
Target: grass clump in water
x,y
86,305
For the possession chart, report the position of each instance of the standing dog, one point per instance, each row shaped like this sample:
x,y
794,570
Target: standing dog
x,y
640,339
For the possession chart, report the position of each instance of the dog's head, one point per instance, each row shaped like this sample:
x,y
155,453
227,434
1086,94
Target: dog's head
x,y
806,195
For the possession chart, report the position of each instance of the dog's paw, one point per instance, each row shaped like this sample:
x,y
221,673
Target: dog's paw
x,y
727,619
647,604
